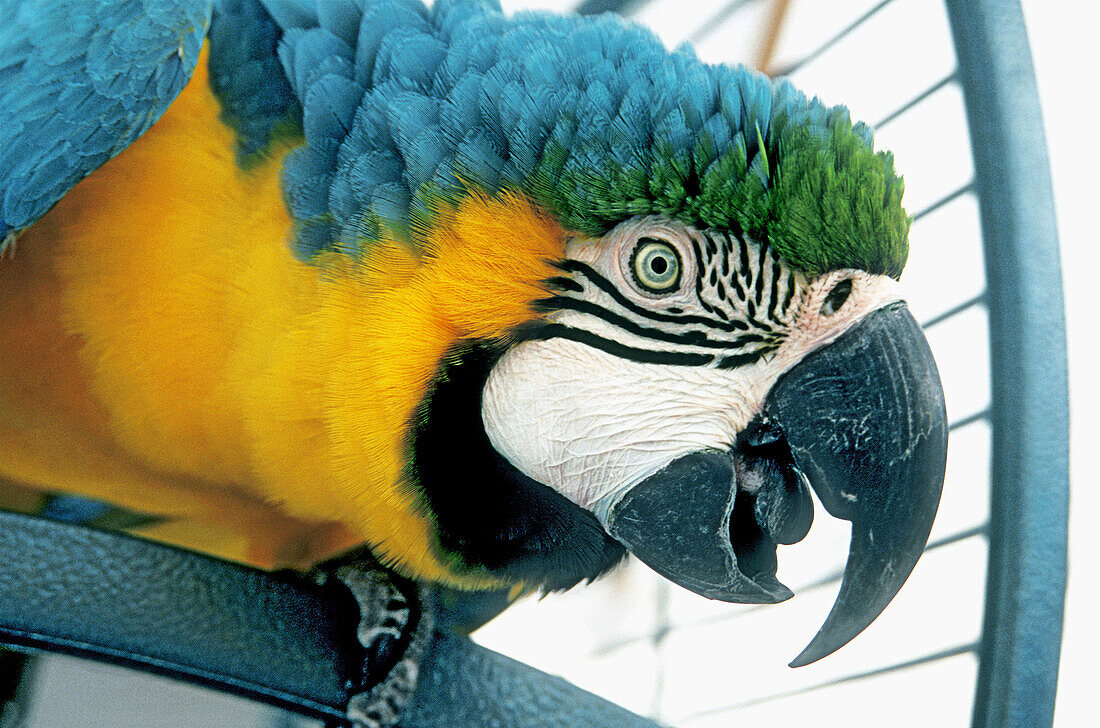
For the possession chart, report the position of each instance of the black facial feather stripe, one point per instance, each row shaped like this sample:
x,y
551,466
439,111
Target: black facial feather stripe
x,y
762,262
756,285
743,251
739,360
699,279
737,287
575,266
563,283
773,300
747,292
560,331
689,338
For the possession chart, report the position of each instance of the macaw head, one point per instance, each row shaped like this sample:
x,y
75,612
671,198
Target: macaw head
x,y
722,331
688,387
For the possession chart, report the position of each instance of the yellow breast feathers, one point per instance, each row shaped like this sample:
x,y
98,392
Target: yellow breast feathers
x,y
173,356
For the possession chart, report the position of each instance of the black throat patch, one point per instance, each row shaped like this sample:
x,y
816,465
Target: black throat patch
x,y
487,513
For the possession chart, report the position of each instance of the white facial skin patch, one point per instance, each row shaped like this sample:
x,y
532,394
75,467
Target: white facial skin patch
x,y
591,424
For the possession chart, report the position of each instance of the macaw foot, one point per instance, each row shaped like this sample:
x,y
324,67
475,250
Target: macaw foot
x,y
396,624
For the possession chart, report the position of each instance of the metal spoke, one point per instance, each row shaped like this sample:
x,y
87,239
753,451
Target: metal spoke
x,y
715,21
946,199
831,578
969,648
955,310
821,49
945,81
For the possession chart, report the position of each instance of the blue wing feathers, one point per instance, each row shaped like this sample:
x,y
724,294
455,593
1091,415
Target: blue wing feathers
x,y
247,75
81,81
330,106
341,18
377,22
292,13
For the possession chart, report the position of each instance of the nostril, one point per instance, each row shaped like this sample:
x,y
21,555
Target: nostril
x,y
761,434
836,297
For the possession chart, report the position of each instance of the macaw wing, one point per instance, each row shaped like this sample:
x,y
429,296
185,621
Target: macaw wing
x,y
80,80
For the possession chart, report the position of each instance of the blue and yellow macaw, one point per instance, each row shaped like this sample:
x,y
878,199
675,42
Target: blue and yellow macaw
x,y
499,298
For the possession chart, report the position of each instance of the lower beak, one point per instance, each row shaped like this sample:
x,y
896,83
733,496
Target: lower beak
x,y
862,419
679,522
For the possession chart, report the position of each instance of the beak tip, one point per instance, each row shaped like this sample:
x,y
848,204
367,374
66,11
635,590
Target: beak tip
x,y
799,661
812,653
802,660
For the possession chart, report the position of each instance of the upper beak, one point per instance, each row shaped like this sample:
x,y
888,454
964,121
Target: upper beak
x,y
863,419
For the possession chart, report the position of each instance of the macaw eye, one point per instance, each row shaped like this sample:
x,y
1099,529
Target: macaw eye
x,y
656,266
836,297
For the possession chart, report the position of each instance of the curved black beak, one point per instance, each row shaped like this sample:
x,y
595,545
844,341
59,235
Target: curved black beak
x,y
865,420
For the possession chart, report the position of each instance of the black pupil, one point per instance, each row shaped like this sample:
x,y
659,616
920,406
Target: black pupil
x,y
658,265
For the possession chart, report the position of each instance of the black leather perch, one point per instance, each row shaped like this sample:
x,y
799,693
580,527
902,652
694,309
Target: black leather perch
x,y
463,685
278,638
119,599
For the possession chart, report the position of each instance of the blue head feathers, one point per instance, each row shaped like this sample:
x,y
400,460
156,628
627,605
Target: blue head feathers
x,y
404,108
